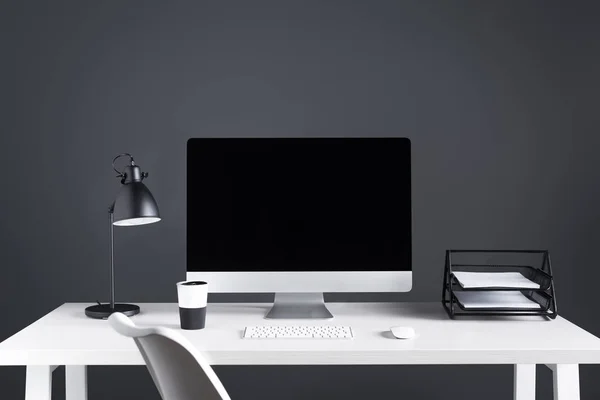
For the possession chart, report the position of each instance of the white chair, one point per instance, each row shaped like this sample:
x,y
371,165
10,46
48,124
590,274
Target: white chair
x,y
179,371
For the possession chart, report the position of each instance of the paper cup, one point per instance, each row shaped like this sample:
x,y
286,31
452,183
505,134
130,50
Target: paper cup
x,y
192,297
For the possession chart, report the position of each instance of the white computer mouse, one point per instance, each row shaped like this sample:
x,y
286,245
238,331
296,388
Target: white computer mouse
x,y
403,332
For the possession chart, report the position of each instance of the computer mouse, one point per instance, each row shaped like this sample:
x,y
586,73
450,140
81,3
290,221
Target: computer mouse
x,y
403,332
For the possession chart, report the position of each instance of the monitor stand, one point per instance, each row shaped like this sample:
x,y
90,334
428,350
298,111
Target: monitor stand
x,y
299,306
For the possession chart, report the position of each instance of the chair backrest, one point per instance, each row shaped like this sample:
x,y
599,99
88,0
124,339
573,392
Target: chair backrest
x,y
179,371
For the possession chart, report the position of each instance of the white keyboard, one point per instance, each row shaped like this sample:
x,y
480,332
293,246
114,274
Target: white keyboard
x,y
298,332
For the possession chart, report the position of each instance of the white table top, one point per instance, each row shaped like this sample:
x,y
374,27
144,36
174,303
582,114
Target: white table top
x,y
67,337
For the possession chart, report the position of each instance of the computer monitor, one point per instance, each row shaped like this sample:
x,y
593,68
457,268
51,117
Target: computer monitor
x,y
299,217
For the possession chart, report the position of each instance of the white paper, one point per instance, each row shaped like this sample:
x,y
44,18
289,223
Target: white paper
x,y
495,300
473,280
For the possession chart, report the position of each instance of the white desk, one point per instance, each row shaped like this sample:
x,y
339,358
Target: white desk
x,y
66,337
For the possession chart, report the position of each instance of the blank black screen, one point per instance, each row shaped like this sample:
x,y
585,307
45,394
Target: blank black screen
x,y
301,204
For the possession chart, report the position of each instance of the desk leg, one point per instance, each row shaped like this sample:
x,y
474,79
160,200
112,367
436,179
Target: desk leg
x,y
566,381
38,382
524,385
75,382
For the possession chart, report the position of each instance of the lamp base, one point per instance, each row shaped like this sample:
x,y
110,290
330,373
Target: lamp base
x,y
103,311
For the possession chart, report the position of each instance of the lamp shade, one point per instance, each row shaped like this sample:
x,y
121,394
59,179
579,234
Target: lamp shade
x,y
135,205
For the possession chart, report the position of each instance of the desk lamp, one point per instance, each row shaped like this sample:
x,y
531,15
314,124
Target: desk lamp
x,y
134,205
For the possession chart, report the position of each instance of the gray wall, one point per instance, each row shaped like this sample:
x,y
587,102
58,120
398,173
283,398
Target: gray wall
x,y
499,99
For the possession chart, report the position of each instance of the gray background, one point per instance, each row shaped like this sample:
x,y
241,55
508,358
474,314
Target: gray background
x,y
499,99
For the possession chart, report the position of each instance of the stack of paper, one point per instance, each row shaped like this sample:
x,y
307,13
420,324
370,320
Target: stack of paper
x,y
495,300
513,280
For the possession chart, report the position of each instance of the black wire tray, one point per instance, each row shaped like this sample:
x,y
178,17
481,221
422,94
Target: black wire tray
x,y
532,264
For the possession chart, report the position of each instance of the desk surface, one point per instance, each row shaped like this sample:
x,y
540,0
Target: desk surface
x,y
67,337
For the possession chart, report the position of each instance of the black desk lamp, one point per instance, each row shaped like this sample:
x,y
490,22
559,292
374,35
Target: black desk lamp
x,y
134,206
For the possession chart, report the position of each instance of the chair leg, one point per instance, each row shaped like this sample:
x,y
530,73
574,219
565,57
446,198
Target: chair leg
x,y
75,382
38,382
524,382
